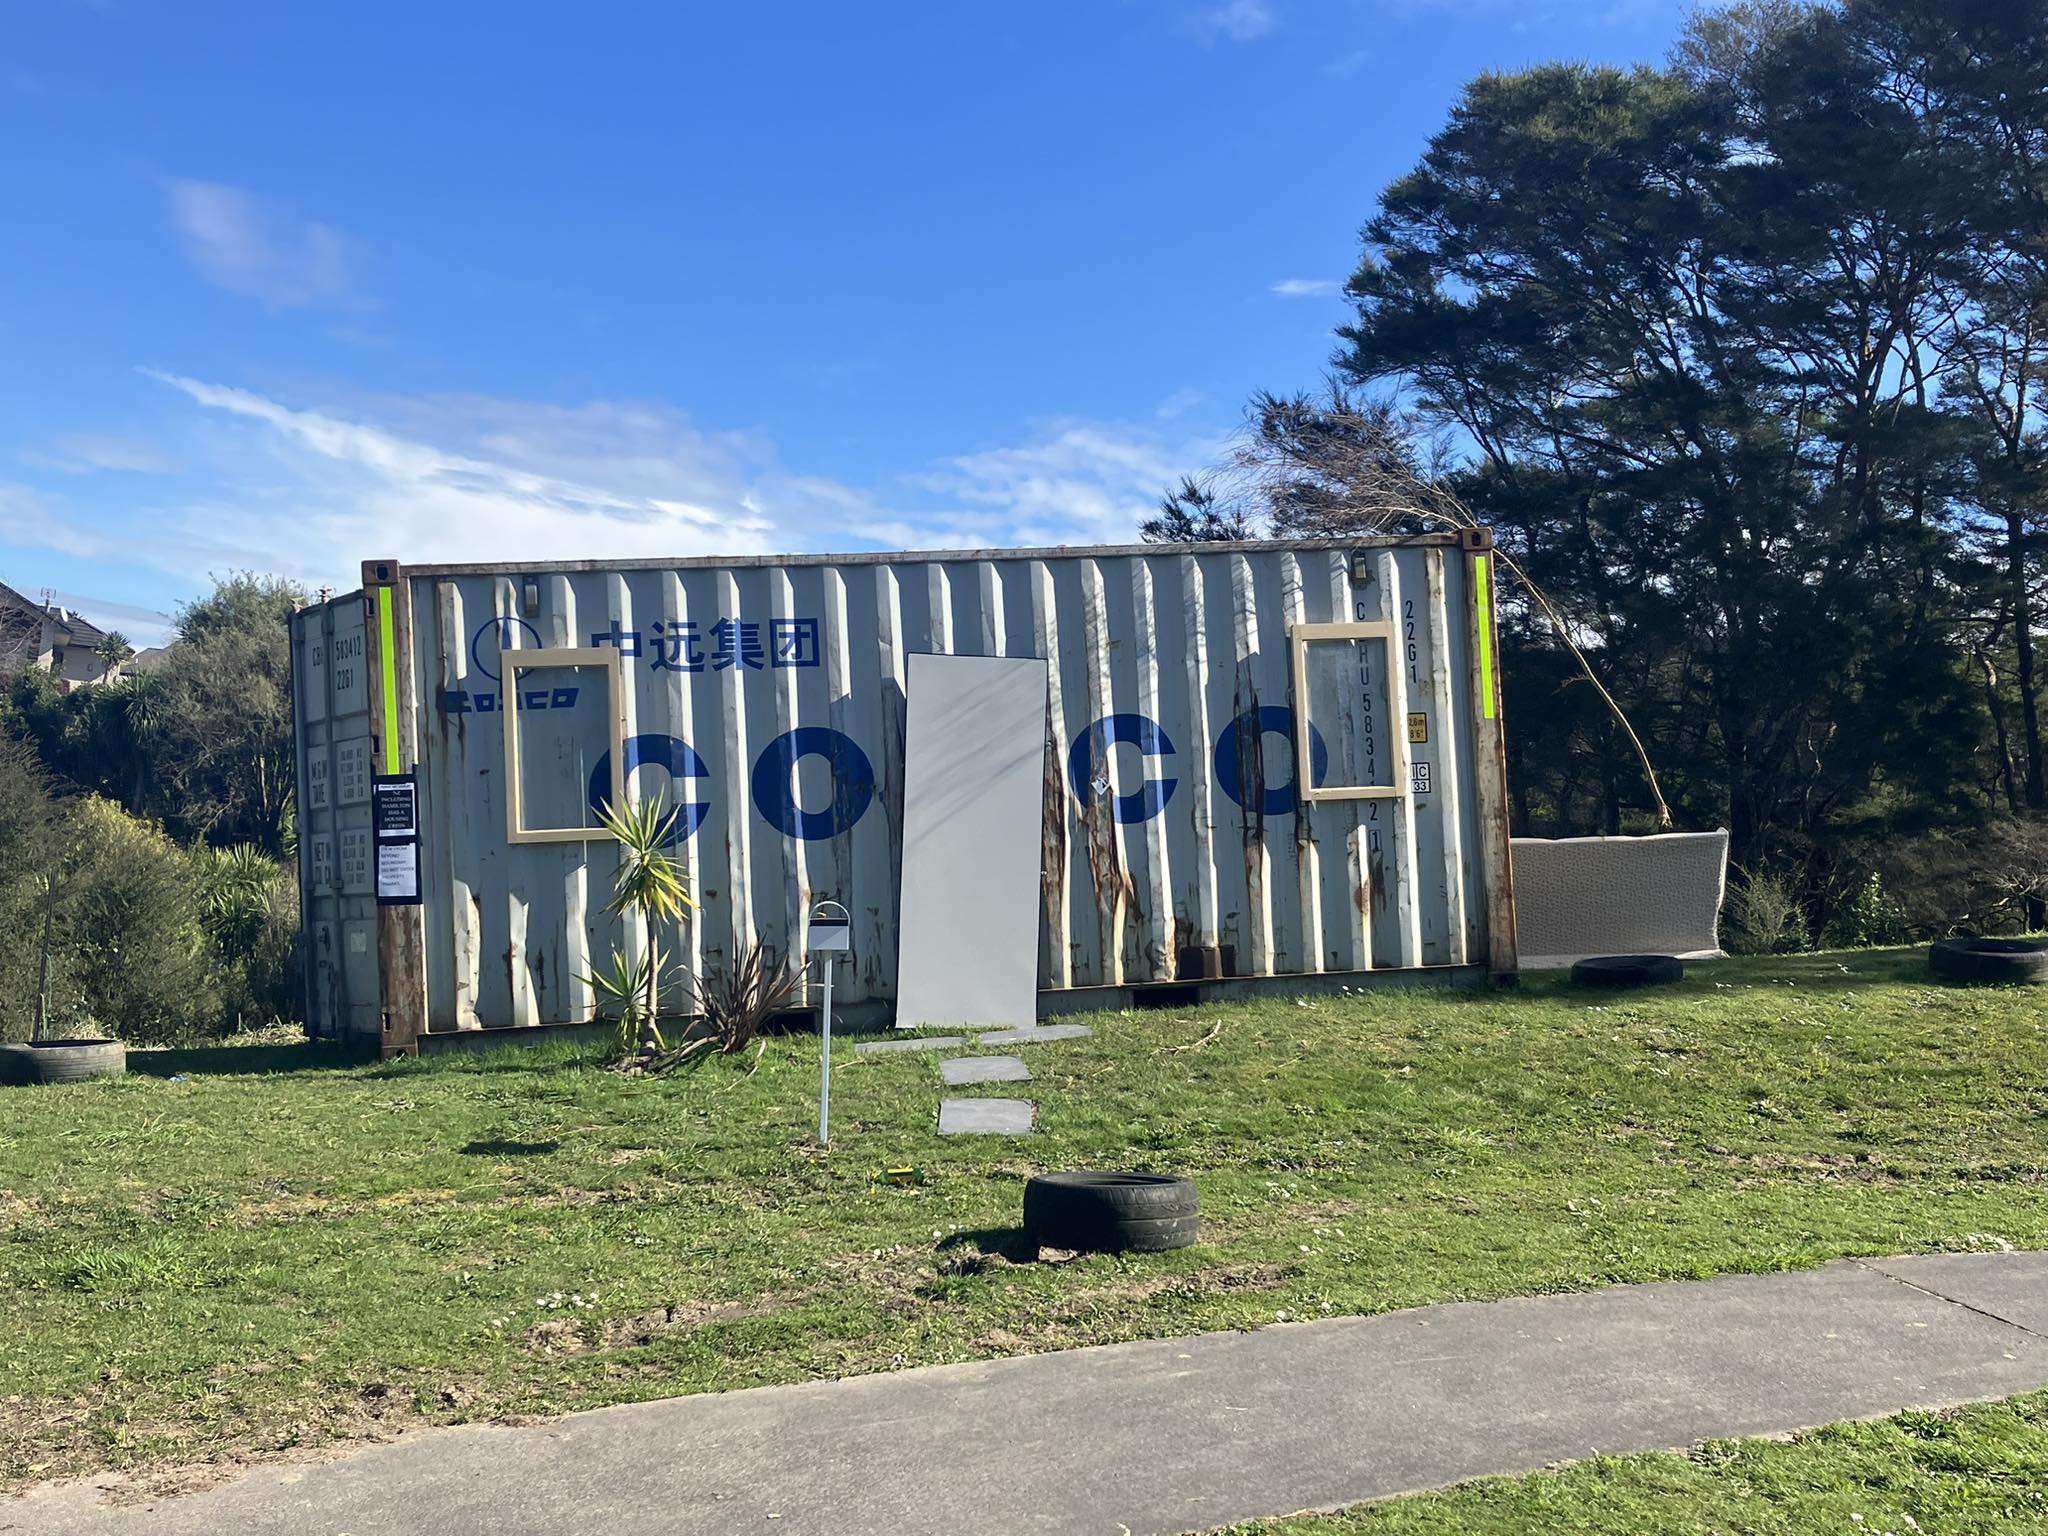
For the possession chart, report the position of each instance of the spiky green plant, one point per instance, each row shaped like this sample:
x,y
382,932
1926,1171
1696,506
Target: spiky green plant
x,y
234,892
622,992
650,885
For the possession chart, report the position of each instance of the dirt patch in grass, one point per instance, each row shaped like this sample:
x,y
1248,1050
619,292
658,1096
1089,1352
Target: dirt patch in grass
x,y
306,1428
1191,1284
643,1328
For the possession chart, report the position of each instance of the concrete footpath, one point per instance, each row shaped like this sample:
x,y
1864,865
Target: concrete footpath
x,y
1182,1434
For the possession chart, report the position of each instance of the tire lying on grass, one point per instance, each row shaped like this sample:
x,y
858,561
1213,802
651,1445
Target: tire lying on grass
x,y
62,1061
1111,1212
1627,971
1990,960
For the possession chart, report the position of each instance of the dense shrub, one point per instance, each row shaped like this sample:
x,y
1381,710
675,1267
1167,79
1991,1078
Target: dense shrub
x,y
1988,879
142,966
249,907
1764,914
1870,917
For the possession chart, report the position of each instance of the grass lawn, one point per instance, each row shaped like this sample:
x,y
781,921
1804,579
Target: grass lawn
x,y
1979,1471
283,1249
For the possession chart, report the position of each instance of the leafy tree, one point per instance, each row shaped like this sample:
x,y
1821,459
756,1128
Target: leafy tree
x,y
1977,73
113,649
1682,322
221,722
1192,515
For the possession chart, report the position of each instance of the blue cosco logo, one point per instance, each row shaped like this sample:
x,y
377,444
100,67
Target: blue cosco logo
x,y
1239,749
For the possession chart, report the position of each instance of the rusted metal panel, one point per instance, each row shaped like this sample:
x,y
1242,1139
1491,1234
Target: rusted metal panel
x,y
767,698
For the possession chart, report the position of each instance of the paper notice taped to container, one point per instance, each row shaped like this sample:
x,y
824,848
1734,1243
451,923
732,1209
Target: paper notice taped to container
x,y
398,873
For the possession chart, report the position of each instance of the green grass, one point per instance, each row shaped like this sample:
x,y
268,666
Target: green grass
x,y
1979,1471
314,1250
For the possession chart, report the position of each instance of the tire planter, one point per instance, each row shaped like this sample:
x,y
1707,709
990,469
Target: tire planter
x,y
1111,1212
1978,961
1628,971
62,1061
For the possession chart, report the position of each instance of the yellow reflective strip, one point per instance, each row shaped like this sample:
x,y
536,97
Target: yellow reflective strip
x,y
1482,589
387,635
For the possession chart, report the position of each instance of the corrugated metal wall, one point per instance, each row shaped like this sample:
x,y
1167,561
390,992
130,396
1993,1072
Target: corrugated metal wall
x,y
330,672
768,697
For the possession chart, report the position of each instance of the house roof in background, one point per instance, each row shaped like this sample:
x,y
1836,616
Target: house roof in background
x,y
79,630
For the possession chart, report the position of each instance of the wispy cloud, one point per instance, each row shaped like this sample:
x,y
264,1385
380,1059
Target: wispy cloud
x,y
1077,482
238,243
84,453
1235,21
309,492
31,519
1306,287
471,479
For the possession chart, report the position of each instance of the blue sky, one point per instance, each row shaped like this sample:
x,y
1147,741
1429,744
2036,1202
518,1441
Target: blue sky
x,y
288,286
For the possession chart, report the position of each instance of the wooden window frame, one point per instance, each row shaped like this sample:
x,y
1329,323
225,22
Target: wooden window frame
x,y
512,663
1299,638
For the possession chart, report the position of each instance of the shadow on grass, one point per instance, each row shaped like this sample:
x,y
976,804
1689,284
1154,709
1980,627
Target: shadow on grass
x,y
993,1243
1824,970
498,1148
538,1057
228,1060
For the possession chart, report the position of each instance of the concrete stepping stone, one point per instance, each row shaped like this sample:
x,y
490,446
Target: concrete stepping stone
x,y
1036,1033
984,1117
921,1043
983,1069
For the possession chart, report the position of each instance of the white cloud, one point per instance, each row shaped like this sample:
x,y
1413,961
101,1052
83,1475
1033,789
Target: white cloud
x,y
471,479
309,493
238,244
1237,21
1306,287
1079,483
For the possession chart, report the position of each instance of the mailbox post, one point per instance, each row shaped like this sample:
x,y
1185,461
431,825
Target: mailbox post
x,y
830,936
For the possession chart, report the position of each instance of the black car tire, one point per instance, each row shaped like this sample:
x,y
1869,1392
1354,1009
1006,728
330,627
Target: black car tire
x,y
1111,1212
62,1061
1975,961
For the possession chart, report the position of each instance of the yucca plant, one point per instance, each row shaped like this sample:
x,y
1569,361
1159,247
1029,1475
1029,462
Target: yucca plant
x,y
649,884
234,893
622,992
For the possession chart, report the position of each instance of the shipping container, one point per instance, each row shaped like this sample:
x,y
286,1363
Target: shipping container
x,y
1270,763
